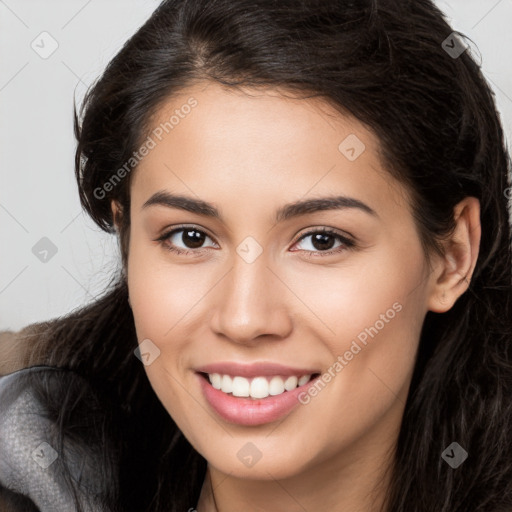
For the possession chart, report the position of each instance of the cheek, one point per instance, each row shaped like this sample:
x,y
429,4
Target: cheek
x,y
161,293
366,381
369,296
160,299
165,301
370,317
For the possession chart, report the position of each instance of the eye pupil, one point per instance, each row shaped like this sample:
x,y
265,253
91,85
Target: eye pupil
x,y
323,241
195,241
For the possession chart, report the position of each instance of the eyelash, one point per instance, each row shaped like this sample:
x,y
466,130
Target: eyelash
x,y
347,243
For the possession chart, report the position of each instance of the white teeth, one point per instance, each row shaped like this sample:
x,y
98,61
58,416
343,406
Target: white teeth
x,y
290,383
227,384
258,387
241,386
276,386
216,380
304,379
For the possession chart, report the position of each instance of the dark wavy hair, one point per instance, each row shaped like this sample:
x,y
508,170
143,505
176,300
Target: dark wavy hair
x,y
384,63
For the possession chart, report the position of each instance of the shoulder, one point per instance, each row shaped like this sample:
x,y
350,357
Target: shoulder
x,y
52,441
17,347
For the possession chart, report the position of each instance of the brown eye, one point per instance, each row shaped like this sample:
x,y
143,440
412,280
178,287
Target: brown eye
x,y
184,240
323,240
192,238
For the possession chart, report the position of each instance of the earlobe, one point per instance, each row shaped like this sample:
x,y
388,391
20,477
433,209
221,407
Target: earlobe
x,y
453,275
116,213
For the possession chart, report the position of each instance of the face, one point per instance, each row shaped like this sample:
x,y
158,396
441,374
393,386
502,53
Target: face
x,y
259,295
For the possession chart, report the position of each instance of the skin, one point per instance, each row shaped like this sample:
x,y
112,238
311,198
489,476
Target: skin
x,y
249,153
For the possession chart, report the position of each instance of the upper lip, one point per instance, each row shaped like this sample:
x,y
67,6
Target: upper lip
x,y
254,370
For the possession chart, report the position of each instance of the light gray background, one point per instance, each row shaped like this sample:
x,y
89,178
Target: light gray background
x,y
38,194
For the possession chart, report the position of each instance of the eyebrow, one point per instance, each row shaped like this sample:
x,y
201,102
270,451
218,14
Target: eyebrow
x,y
288,211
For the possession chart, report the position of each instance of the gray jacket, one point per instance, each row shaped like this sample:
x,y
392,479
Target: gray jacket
x,y
45,464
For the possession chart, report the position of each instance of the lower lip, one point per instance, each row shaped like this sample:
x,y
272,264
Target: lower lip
x,y
250,411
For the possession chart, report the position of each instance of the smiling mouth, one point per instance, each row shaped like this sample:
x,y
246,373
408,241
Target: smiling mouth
x,y
258,387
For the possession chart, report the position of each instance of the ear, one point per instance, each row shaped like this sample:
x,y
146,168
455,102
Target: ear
x,y
116,213
453,274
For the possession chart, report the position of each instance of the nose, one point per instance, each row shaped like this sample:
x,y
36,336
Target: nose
x,y
251,304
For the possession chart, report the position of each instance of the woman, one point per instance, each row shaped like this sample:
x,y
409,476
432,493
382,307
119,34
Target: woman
x,y
314,308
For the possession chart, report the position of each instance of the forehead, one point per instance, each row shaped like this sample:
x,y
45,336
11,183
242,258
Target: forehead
x,y
210,139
